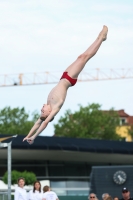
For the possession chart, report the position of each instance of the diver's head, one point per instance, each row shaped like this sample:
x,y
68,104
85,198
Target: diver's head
x,y
45,111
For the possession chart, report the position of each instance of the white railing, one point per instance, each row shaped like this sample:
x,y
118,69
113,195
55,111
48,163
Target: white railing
x,y
59,192
3,196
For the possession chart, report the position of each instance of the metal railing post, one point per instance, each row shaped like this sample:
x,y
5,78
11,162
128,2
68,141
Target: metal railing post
x,y
9,152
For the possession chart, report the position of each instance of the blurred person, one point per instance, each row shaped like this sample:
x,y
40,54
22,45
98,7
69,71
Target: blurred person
x,y
92,196
115,198
57,96
36,192
104,196
109,198
126,194
20,192
48,194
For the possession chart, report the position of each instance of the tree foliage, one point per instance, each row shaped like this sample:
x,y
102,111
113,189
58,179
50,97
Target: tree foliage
x,y
89,122
16,120
29,177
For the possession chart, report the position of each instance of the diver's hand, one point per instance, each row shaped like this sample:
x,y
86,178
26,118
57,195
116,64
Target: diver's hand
x,y
30,140
25,138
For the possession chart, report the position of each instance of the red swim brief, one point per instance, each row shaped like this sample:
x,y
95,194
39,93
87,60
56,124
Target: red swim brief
x,y
71,80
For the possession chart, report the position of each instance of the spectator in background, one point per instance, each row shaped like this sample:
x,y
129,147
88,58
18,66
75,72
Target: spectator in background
x,y
126,194
92,196
48,194
36,193
20,192
109,198
104,196
115,198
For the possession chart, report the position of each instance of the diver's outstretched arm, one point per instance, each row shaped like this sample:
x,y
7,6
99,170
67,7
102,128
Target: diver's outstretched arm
x,y
34,128
43,125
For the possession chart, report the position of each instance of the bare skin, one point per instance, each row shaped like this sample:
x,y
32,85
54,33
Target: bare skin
x,y
21,183
126,195
92,196
58,94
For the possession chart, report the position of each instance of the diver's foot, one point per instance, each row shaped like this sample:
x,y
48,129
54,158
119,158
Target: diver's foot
x,y
103,33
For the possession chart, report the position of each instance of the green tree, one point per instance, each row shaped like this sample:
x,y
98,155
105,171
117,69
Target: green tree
x,y
16,120
89,122
30,177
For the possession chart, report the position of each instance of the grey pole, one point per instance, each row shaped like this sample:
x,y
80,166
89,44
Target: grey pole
x,y
9,169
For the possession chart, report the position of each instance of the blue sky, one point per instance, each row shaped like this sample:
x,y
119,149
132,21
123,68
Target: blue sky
x,y
40,35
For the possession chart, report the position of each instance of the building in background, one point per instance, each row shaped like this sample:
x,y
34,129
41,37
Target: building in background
x,y
66,162
126,123
125,126
111,178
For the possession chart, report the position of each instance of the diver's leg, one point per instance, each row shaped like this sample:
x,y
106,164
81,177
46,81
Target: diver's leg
x,y
76,67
